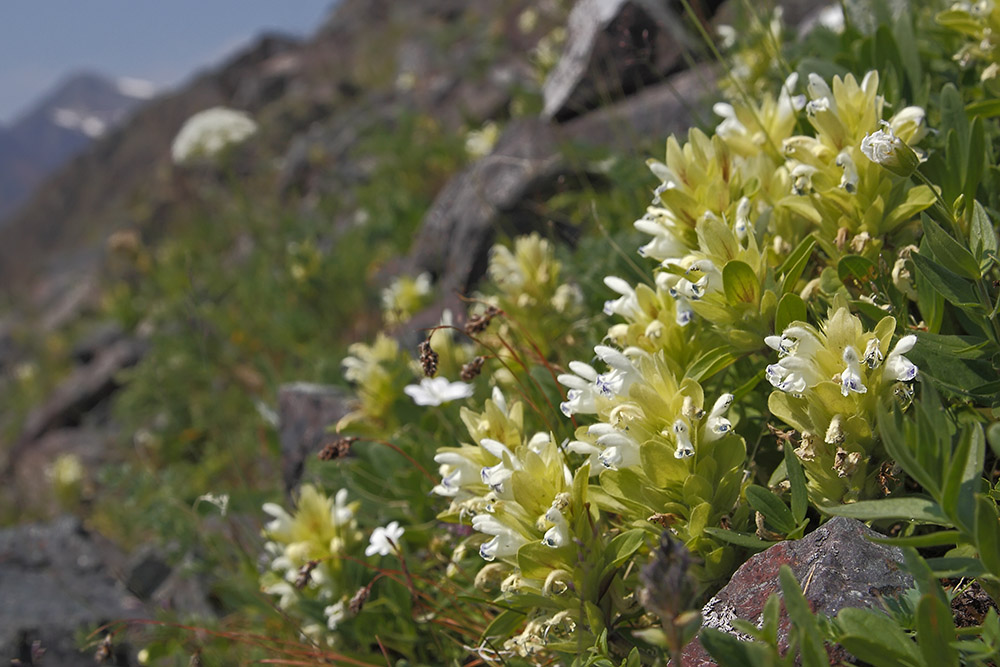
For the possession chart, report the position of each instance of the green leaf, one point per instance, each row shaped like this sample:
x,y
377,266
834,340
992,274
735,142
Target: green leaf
x,y
791,269
977,160
963,477
951,286
983,109
857,270
993,437
930,302
923,574
797,480
739,539
791,308
728,650
988,534
775,512
622,546
938,538
948,568
801,616
898,445
948,251
982,236
958,364
740,283
936,632
504,624
912,508
953,117
875,638
710,362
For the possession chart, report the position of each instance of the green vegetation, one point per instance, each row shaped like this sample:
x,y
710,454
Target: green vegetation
x,y
821,266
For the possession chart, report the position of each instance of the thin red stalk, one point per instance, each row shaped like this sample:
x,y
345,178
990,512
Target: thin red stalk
x,y
409,458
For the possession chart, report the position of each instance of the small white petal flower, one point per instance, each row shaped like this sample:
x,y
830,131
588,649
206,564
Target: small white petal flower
x,y
898,367
717,425
850,377
849,181
873,354
384,540
335,613
437,391
883,147
684,447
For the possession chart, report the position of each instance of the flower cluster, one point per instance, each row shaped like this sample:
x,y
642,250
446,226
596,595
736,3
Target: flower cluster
x,y
208,132
304,550
530,291
828,383
405,297
979,22
377,371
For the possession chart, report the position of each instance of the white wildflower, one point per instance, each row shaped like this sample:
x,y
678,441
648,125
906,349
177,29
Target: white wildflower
x,y
436,391
385,540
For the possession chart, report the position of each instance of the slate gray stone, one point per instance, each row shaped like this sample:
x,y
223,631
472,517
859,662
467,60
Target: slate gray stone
x,y
304,412
613,48
86,387
528,160
836,566
96,339
55,583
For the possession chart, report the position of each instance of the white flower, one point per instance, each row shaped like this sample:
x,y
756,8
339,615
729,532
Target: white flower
x,y
620,449
505,541
684,448
335,613
627,305
221,501
207,132
558,534
883,147
435,391
717,425
384,540
873,354
849,181
850,377
898,367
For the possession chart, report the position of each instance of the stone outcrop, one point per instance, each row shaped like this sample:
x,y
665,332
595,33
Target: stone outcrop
x,y
836,565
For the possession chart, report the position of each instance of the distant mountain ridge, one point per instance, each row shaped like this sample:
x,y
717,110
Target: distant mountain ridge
x,y
81,108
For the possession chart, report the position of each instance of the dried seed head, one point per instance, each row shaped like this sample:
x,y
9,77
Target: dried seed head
x,y
337,449
668,588
471,370
103,653
428,358
358,601
305,574
478,324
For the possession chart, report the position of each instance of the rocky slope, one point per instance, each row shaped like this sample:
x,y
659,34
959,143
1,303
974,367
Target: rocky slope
x,y
81,108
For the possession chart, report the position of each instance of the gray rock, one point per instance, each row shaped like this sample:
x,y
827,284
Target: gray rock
x,y
836,566
55,584
613,48
86,387
304,413
31,485
459,228
96,339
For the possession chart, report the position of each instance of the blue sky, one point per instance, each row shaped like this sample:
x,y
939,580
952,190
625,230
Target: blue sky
x,y
163,41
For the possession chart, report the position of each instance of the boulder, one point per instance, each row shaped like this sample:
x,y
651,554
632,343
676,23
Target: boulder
x,y
613,48
836,565
56,586
304,412
84,388
527,162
